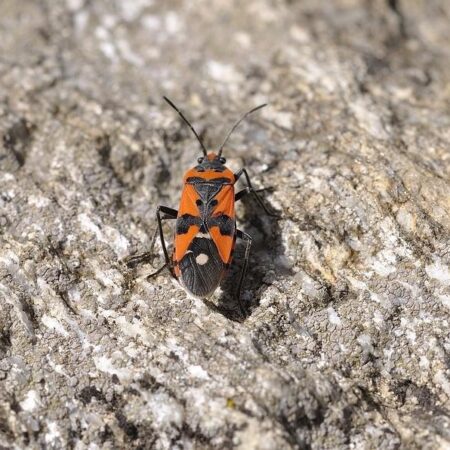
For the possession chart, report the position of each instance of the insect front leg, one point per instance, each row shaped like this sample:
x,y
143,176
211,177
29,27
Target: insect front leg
x,y
251,190
248,244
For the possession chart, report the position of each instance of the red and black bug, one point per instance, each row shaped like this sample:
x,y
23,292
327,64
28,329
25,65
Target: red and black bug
x,y
205,232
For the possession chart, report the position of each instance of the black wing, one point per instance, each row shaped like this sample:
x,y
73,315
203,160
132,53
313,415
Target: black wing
x,y
201,267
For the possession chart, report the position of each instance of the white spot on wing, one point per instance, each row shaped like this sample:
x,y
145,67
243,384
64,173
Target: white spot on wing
x,y
202,259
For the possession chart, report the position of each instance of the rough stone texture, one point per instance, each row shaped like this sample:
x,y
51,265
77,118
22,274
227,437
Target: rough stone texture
x,y
347,340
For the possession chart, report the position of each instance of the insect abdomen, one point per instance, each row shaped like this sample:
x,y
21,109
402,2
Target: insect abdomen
x,y
201,268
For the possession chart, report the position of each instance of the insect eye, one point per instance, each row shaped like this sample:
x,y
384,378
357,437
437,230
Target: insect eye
x,y
222,160
200,160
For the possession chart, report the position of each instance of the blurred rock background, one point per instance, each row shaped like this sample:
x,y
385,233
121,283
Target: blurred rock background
x,y
347,340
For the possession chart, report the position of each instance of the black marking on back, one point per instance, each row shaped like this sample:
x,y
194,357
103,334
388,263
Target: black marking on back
x,y
201,280
185,221
226,224
195,180
207,191
200,180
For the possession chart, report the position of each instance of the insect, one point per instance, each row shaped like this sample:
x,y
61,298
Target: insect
x,y
205,231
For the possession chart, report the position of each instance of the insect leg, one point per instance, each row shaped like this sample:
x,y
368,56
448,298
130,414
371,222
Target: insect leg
x,y
241,194
248,243
251,190
134,260
157,272
169,213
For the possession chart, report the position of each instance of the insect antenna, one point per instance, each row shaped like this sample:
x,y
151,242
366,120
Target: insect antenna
x,y
187,122
236,125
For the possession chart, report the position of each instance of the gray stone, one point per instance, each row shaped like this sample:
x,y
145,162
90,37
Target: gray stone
x,y
346,344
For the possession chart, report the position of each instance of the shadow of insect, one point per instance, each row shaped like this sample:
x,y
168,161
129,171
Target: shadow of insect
x,y
266,249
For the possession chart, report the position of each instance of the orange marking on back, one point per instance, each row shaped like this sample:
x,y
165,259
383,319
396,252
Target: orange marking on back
x,y
225,201
225,206
187,202
224,244
182,242
187,206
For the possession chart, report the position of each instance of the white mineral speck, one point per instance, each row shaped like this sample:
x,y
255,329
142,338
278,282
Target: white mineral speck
x,y
31,402
172,23
368,118
166,410
53,324
131,10
53,432
440,379
439,272
105,364
38,201
333,316
198,372
445,299
226,73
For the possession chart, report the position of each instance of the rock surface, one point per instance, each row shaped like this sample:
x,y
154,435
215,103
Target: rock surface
x,y
347,340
